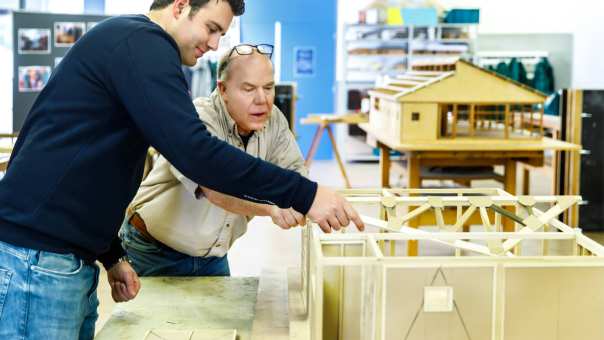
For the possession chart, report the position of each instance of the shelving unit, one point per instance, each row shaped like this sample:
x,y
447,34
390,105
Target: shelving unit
x,y
370,53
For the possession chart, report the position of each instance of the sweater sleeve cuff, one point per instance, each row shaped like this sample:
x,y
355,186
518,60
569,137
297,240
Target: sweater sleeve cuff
x,y
189,185
305,195
113,255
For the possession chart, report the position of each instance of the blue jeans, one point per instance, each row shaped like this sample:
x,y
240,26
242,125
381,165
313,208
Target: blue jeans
x,y
46,295
151,258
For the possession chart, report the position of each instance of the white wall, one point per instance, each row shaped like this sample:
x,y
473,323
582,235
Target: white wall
x,y
6,85
56,6
9,4
583,18
114,7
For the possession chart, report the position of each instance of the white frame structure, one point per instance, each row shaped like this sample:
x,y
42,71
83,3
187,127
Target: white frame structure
x,y
347,277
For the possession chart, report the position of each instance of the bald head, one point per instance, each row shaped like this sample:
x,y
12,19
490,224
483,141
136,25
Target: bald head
x,y
231,60
247,87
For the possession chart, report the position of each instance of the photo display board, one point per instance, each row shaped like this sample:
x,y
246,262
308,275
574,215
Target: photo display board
x,y
40,41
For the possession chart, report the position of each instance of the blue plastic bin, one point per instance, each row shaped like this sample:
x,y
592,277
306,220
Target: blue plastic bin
x,y
463,16
420,17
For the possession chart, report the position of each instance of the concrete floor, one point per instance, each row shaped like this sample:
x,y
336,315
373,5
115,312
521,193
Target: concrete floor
x,y
266,247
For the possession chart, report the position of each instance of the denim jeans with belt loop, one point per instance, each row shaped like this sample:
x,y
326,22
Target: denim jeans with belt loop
x,y
46,295
152,258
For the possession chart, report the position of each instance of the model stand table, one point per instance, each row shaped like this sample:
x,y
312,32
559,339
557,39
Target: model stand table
x,y
324,122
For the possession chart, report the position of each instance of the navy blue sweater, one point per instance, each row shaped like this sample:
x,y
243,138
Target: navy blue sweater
x,y
79,158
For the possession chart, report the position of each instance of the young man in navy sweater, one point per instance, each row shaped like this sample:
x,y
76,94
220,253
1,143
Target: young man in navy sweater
x,y
79,159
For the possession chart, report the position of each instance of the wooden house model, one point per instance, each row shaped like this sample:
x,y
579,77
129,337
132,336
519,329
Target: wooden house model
x,y
464,101
543,281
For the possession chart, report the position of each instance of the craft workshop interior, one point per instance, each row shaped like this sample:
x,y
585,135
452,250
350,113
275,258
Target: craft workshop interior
x,y
465,136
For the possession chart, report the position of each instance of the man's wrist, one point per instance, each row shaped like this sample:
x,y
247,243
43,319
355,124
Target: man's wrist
x,y
269,209
121,259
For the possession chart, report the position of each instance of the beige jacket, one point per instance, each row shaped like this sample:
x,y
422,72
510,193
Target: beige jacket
x,y
166,199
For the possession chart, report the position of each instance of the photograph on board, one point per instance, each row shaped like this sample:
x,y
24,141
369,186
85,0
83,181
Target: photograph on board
x,y
33,41
67,33
33,78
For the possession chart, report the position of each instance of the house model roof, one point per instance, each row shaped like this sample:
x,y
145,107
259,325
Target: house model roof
x,y
468,83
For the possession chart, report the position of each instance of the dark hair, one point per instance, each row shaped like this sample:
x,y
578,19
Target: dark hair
x,y
237,6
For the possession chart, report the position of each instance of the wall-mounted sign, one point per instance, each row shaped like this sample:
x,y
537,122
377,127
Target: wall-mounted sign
x,y
304,61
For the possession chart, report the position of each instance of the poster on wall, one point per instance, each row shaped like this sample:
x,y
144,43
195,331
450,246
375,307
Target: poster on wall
x,y
33,41
67,33
33,78
304,61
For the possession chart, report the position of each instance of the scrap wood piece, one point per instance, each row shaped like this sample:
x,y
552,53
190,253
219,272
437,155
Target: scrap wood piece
x,y
197,334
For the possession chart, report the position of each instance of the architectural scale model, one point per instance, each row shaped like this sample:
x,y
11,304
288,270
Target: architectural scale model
x,y
545,280
462,101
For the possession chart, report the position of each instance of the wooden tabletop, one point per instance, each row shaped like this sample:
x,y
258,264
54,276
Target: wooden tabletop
x,y
472,144
185,303
257,308
328,118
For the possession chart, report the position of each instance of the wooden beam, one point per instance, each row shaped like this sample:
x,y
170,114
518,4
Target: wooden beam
x,y
455,112
507,121
338,158
472,119
444,120
510,187
384,165
314,145
414,181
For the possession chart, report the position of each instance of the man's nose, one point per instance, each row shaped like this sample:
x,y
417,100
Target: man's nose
x,y
260,97
214,41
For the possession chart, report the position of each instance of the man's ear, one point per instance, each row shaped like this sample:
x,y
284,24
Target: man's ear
x,y
221,88
178,7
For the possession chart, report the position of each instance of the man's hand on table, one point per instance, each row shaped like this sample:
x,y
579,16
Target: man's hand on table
x,y
124,282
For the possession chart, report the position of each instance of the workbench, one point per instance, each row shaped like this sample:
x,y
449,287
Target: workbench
x,y
257,308
185,303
